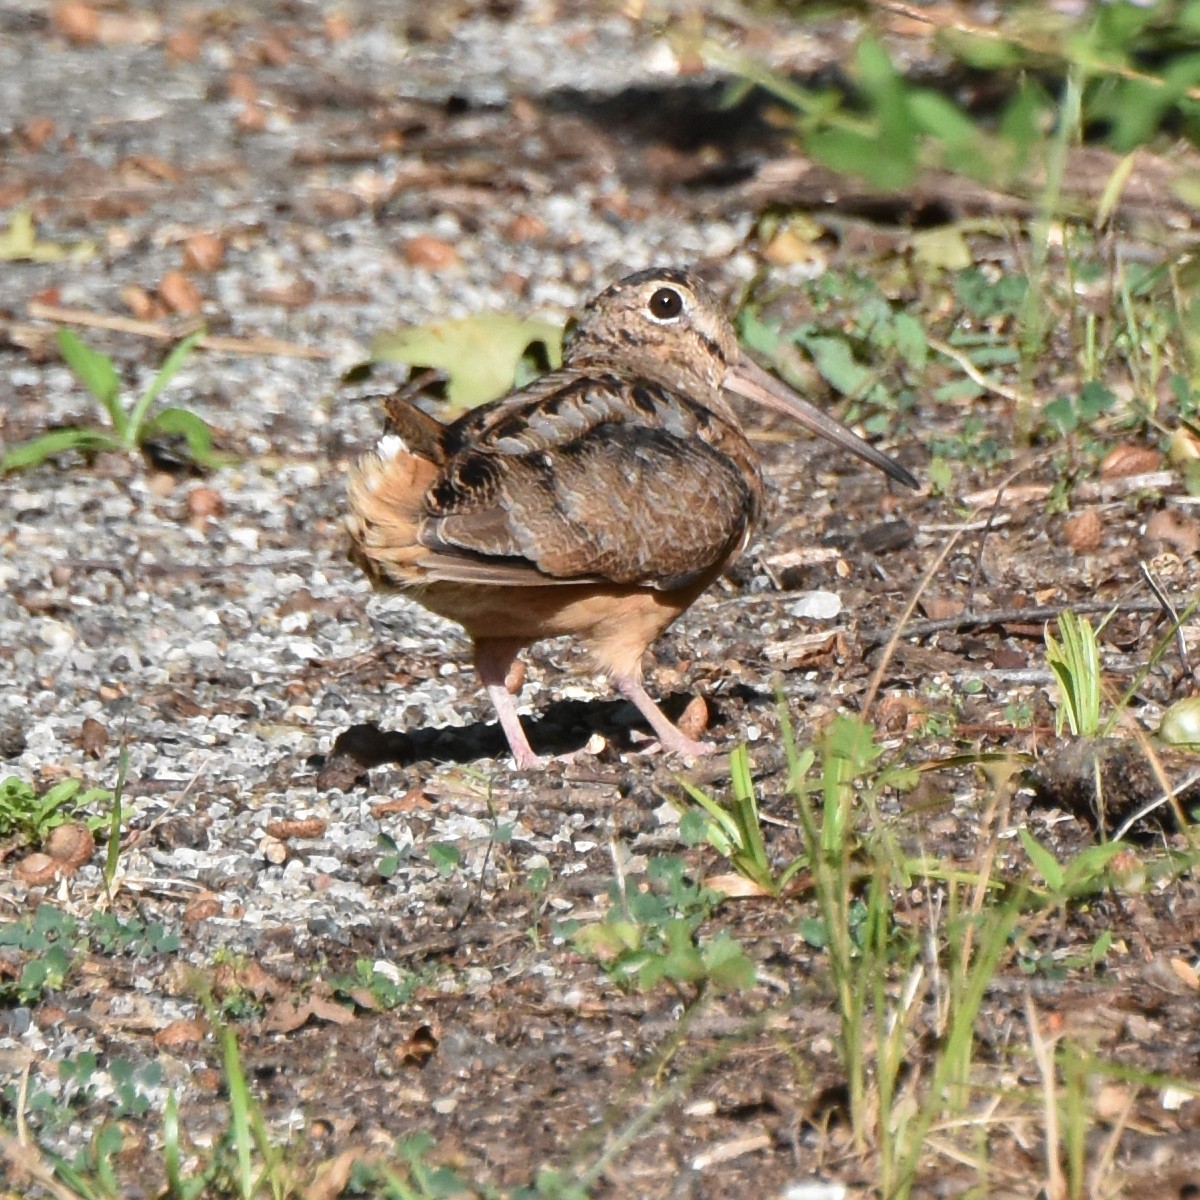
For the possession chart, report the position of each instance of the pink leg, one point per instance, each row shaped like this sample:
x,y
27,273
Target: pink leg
x,y
669,737
493,658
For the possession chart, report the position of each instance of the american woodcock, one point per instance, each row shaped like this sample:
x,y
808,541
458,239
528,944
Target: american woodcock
x,y
597,502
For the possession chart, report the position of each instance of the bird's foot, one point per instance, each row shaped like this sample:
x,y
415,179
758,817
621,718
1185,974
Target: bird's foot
x,y
681,744
529,761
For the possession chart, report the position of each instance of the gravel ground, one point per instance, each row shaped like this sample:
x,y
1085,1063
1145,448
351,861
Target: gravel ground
x,y
411,163
212,628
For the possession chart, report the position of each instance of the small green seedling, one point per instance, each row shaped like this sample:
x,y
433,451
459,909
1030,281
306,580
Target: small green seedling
x,y
1075,662
24,813
131,427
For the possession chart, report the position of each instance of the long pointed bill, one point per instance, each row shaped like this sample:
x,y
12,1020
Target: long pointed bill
x,y
746,378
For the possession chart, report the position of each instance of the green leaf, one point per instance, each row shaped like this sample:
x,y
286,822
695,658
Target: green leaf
x,y
940,117
757,335
1044,862
834,359
727,964
444,856
849,151
910,340
944,247
1088,867
167,372
480,354
693,827
35,451
683,962
179,421
97,373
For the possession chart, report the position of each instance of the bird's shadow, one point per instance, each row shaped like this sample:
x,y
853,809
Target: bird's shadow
x,y
562,727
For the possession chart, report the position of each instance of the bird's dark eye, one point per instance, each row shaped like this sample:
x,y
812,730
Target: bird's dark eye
x,y
666,304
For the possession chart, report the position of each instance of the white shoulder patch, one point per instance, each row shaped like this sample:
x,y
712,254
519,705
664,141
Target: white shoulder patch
x,y
390,446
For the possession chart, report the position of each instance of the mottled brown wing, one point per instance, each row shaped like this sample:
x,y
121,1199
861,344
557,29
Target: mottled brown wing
x,y
625,503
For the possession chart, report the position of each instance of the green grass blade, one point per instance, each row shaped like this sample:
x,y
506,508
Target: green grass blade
x,y
97,373
746,810
192,428
172,1159
1046,865
240,1105
35,451
170,368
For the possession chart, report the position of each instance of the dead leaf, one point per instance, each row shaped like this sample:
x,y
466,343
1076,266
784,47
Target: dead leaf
x,y
1084,531
141,303
313,827
806,650
898,713
525,227
251,119
727,1151
201,909
332,1176
19,243
1183,447
1170,526
71,845
244,976
204,502
203,252
430,252
138,168
414,798
187,1031
1185,971
37,870
735,887
693,721
421,1046
289,1013
93,737
183,45
36,132
78,23
179,293
940,608
1126,459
